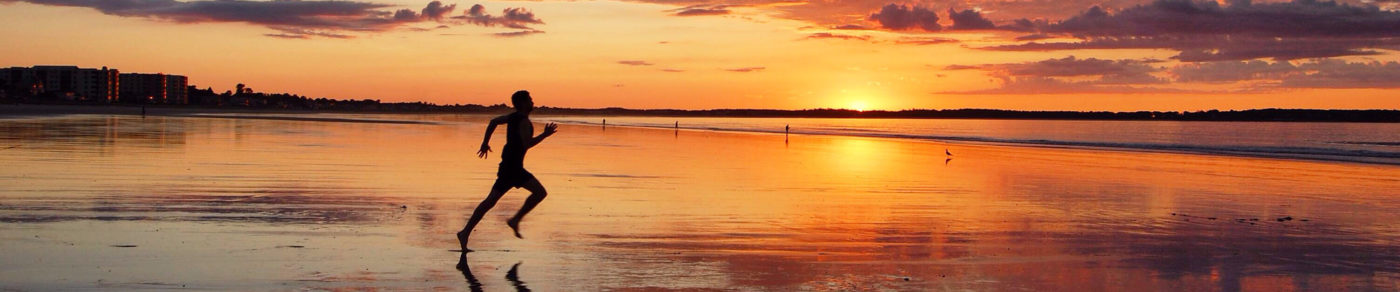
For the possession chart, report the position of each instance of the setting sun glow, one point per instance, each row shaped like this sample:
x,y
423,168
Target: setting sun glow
x,y
859,105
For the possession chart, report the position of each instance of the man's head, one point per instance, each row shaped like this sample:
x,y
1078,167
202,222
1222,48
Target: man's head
x,y
522,102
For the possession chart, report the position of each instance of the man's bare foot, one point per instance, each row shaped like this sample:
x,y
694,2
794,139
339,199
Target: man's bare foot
x,y
462,239
514,227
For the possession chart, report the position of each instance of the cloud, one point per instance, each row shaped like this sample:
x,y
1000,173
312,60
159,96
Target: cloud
x,y
850,27
1071,66
517,18
300,33
1299,18
287,35
634,63
1342,74
1044,85
924,40
1222,48
1226,72
520,15
746,69
295,19
476,9
1027,25
1033,37
1071,75
511,34
1275,49
969,20
703,10
436,10
1241,30
827,35
1320,73
901,17
405,15
672,70
1091,75
854,12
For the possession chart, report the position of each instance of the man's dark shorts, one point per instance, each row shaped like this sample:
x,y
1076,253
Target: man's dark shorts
x,y
509,176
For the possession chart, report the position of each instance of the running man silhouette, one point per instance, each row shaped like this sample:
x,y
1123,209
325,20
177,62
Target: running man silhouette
x,y
511,173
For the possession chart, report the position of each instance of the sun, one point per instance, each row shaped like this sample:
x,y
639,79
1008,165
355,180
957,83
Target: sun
x,y
859,105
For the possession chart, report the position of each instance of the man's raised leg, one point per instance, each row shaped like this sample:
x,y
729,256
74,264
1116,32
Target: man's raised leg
x,y
537,194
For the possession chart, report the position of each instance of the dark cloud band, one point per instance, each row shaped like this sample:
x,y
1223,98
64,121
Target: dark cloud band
x,y
297,19
902,17
1091,75
517,18
1208,31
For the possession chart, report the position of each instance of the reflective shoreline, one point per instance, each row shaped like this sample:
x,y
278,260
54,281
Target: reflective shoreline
x,y
124,203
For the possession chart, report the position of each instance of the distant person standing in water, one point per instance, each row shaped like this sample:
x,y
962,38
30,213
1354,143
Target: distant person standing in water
x,y
511,173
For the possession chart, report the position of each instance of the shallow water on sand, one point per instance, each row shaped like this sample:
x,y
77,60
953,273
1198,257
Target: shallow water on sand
x,y
1347,142
122,202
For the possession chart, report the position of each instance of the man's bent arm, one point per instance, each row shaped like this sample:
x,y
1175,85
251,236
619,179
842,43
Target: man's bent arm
x,y
538,139
491,128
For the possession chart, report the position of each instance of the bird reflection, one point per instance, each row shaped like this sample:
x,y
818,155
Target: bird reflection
x,y
475,285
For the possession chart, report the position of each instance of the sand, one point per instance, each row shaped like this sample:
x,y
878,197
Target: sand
x,y
126,203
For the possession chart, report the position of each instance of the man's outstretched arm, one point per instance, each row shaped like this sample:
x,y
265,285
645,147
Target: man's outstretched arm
x,y
549,129
490,128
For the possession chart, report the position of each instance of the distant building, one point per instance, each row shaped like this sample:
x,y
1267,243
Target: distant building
x,y
177,89
66,83
154,88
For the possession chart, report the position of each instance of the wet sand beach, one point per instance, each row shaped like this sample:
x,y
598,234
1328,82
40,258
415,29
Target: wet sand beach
x,y
121,202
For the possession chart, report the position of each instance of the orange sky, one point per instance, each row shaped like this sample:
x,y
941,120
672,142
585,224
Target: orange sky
x,y
750,54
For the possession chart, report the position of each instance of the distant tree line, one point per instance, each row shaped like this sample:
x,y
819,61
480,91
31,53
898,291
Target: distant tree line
x,y
244,97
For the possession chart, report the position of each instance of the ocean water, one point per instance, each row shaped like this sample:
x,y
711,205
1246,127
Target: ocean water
x,y
257,202
1353,142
